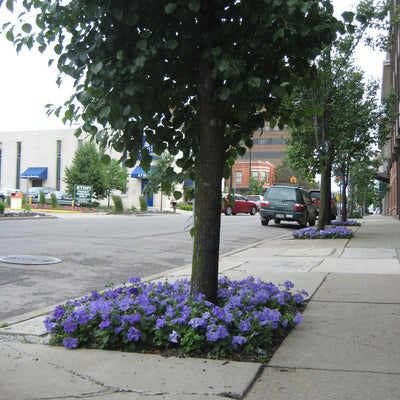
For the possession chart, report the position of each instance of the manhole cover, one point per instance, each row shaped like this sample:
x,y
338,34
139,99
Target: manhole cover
x,y
29,260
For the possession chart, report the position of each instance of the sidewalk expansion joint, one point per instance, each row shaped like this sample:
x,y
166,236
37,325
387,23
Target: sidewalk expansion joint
x,y
287,369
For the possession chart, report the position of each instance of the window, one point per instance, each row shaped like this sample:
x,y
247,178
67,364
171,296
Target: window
x,y
238,176
263,175
58,165
254,174
18,174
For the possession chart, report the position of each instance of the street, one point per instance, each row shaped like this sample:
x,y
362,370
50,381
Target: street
x,y
97,250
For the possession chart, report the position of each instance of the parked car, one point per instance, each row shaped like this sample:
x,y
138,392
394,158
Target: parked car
x,y
256,198
5,193
242,205
315,197
288,203
33,192
63,198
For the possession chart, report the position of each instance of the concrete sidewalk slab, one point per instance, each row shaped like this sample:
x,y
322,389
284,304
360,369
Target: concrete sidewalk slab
x,y
93,371
366,288
372,253
359,266
306,384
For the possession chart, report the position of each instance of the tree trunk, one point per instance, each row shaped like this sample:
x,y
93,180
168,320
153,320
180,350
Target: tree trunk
x,y
328,176
322,198
208,177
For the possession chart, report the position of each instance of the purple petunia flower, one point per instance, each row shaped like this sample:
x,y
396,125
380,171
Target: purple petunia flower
x,y
49,325
105,324
298,318
134,280
133,334
58,312
70,343
174,336
69,325
198,323
238,341
81,316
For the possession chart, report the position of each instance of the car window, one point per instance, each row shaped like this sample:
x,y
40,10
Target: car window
x,y
278,193
316,195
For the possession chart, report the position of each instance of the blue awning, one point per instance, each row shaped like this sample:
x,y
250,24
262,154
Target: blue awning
x,y
35,173
138,172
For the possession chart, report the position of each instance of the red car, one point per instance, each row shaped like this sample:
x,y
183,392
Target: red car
x,y
242,205
315,196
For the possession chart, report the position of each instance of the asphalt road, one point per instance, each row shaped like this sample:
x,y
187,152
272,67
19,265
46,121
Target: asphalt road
x,y
97,250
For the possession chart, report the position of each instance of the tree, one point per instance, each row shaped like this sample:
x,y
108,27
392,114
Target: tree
x,y
317,132
161,176
284,173
88,169
115,178
196,77
255,186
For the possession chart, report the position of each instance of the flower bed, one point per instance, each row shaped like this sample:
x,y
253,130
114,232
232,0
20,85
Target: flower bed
x,y
249,317
346,223
340,232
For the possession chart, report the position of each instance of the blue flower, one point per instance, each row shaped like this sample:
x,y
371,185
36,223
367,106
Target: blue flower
x,y
238,341
133,334
174,336
81,316
298,318
70,343
197,322
49,325
69,325
105,324
58,312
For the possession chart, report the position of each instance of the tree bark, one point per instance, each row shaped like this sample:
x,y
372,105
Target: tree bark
x,y
208,177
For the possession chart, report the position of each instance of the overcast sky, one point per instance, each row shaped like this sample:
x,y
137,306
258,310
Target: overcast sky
x,y
27,84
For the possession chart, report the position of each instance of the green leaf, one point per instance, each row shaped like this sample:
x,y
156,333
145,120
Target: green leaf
x,y
105,159
224,94
254,82
141,45
10,36
194,6
172,44
97,67
120,55
10,5
348,16
141,61
319,110
27,28
170,8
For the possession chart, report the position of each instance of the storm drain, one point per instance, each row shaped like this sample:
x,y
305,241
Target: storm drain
x,y
29,260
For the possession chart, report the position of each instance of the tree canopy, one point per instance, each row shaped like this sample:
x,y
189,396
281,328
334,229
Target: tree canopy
x,y
195,76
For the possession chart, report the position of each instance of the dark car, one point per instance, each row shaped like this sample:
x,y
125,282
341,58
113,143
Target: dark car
x,y
288,203
242,205
33,192
315,197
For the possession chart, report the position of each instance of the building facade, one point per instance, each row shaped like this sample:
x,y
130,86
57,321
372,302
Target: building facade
x,y
268,151
39,158
390,171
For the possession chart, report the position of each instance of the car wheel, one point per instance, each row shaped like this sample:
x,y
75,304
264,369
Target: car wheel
x,y
312,222
228,210
277,221
253,211
264,222
303,224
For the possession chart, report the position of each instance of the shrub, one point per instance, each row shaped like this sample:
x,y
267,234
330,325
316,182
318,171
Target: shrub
x,y
53,200
143,203
247,318
2,207
42,200
346,223
355,214
185,207
117,203
95,204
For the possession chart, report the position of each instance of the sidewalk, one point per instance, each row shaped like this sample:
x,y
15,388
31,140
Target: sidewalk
x,y
347,347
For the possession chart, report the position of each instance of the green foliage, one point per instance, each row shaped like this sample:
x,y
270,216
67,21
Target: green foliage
x,y
90,168
117,203
255,187
285,171
143,203
2,207
42,199
185,207
197,78
53,200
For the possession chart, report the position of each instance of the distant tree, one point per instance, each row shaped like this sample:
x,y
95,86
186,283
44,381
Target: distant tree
x,y
284,172
88,169
256,186
161,177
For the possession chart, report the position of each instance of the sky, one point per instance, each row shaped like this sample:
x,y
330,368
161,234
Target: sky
x,y
27,84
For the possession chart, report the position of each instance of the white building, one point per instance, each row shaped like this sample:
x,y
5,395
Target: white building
x,y
39,158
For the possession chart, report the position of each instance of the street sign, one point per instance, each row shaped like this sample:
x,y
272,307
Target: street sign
x,y
83,194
